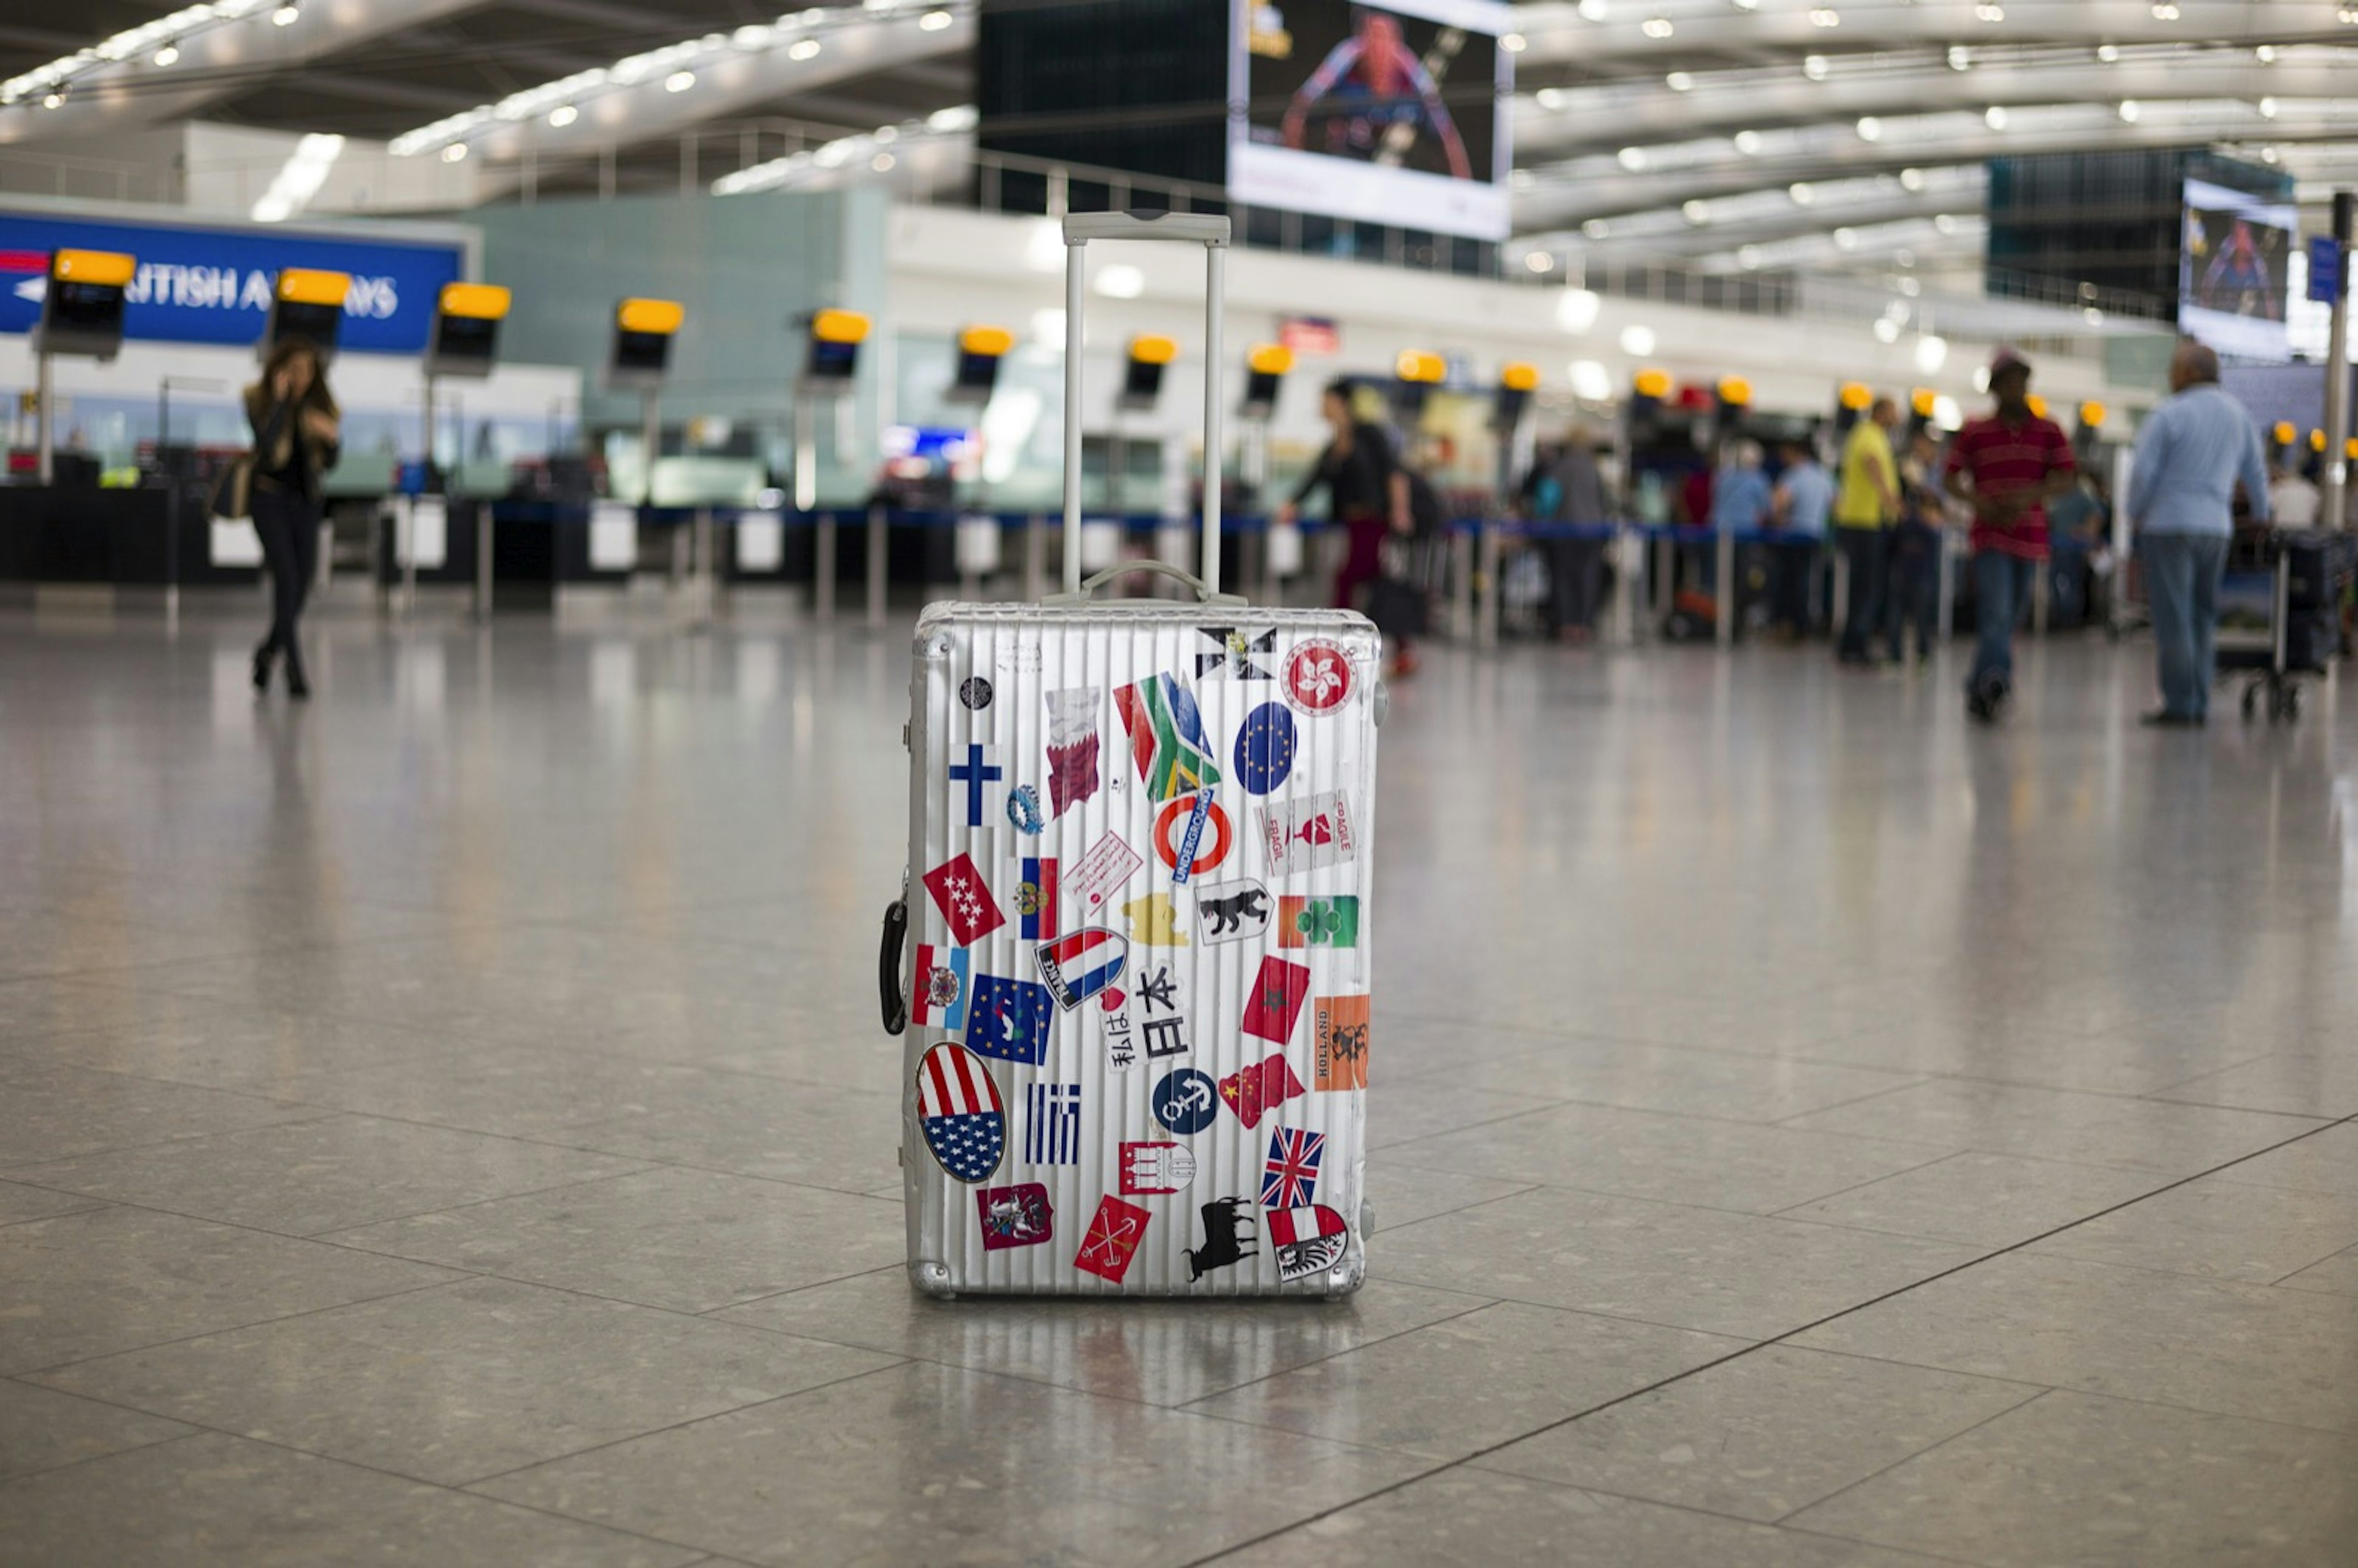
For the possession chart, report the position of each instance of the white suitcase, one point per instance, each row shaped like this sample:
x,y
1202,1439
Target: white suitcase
x,y
1133,949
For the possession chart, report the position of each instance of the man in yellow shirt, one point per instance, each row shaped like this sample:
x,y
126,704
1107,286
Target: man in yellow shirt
x,y
1867,505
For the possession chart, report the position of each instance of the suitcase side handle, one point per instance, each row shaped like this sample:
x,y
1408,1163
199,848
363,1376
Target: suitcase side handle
x,y
1204,594
888,967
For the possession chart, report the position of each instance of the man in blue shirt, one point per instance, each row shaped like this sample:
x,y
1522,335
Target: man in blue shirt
x,y
1805,494
2190,456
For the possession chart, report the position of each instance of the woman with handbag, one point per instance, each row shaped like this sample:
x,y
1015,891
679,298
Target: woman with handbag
x,y
297,439
1367,492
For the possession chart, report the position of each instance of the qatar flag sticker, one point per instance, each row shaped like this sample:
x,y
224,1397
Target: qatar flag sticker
x,y
1308,1240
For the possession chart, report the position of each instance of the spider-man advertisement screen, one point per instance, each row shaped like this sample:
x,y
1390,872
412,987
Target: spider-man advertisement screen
x,y
2233,279
1391,112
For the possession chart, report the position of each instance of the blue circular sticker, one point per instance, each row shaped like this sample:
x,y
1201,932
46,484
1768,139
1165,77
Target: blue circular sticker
x,y
1185,1101
1265,748
1024,809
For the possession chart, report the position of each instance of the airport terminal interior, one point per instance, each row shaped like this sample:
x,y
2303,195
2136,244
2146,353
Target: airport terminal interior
x,y
1163,782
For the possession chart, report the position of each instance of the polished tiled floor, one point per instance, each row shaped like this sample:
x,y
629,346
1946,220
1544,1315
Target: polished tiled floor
x,y
450,1125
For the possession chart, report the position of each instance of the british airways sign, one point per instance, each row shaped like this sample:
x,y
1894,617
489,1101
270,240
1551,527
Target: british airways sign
x,y
213,285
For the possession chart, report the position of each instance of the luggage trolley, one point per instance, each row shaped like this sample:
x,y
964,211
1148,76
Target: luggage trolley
x,y
2283,622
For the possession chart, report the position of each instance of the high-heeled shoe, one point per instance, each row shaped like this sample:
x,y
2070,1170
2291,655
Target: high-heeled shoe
x,y
296,686
263,658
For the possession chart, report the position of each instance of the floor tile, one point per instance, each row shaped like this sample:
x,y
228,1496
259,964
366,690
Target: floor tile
x,y
323,1174
2079,1479
1986,1200
1675,1159
1475,1519
212,1501
821,1136
1695,1083
59,1113
1429,1106
218,1045
2324,1161
112,1278
2086,1128
2338,1275
463,1381
19,1202
1161,1352
2250,1350
518,1092
924,1463
1762,1435
1690,1268
2217,1230
689,1240
1473,1381
41,1429
1402,1196
2301,1083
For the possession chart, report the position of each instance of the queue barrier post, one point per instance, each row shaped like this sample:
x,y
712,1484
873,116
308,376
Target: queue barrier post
x,y
823,566
1723,607
879,549
1486,629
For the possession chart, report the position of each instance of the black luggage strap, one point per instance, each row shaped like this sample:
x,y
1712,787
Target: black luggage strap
x,y
888,967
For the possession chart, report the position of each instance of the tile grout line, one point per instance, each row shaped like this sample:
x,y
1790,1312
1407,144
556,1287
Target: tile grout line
x,y
2020,1404
1751,1350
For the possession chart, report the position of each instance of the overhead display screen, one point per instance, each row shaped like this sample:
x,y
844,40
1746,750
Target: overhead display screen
x,y
2232,282
1388,113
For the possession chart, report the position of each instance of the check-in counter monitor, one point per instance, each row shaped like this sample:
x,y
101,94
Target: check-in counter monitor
x,y
307,304
1516,384
466,335
1266,367
82,306
832,361
1416,372
643,330
980,350
1142,381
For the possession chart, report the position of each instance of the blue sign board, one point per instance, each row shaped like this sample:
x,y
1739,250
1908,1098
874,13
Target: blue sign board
x,y
2325,268
214,285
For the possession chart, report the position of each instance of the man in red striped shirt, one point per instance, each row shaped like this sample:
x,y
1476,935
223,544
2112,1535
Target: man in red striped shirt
x,y
2007,465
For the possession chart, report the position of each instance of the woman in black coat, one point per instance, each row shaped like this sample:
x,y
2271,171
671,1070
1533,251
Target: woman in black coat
x,y
297,439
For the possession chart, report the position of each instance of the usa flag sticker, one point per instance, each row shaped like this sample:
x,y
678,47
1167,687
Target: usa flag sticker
x,y
964,1123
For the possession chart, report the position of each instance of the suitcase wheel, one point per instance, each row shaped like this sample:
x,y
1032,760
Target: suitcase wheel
x,y
932,1279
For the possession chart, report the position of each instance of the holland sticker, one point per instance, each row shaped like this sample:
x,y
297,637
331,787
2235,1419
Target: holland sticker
x,y
1080,966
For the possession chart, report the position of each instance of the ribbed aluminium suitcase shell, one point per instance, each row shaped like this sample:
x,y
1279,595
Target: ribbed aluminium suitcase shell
x,y
1139,933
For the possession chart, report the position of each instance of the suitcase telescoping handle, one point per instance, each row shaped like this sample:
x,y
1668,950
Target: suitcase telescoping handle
x,y
1211,231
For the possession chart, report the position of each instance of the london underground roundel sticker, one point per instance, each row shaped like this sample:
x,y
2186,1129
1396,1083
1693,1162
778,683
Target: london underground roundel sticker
x,y
1318,677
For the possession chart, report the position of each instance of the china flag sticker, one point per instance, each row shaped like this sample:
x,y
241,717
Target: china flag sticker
x,y
1112,1239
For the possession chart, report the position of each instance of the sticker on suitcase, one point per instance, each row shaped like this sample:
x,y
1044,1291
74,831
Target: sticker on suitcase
x,y
1236,653
1290,1177
938,996
1318,921
1308,834
1339,1040
1010,1019
1179,834
1107,865
1112,1239
1166,737
1187,1101
1275,1002
1115,1030
963,899
1072,746
960,1110
1228,1235
1252,1092
1308,1240
1266,744
1019,1216
1318,679
1231,912
977,772
1035,898
1156,1168
1081,965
